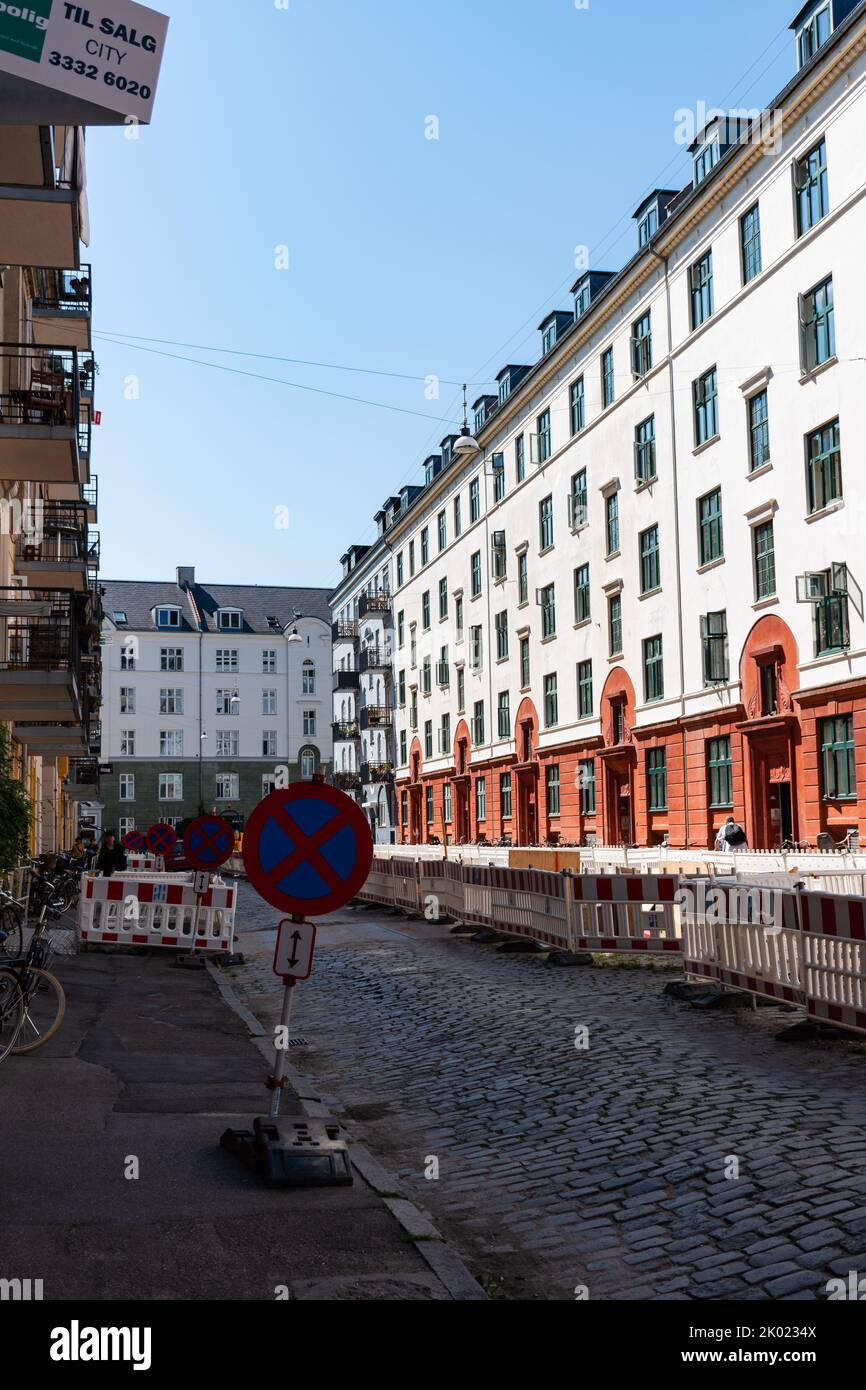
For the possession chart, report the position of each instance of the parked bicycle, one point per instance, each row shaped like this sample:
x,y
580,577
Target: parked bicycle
x,y
32,999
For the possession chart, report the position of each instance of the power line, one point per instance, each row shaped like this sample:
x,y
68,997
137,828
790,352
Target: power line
x,y
111,334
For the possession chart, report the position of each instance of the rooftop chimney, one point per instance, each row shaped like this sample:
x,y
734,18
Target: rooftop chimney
x,y
186,577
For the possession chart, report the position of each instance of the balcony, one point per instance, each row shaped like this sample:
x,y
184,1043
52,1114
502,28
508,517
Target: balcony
x,y
50,740
347,781
40,411
93,552
83,781
372,774
375,605
90,495
53,551
375,659
344,632
39,222
61,307
347,680
40,657
376,717
346,733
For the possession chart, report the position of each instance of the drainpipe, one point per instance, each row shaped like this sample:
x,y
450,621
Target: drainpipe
x,y
665,263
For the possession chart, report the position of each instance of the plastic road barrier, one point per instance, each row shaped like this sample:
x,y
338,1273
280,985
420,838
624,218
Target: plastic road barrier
x,y
151,911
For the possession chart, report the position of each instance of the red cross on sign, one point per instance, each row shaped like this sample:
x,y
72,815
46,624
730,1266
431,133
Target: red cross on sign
x,y
308,849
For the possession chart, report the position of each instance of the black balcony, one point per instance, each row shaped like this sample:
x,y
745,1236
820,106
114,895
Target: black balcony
x,y
346,733
372,774
94,544
347,680
40,657
61,305
344,632
375,659
378,605
51,544
85,431
90,495
376,717
347,781
40,412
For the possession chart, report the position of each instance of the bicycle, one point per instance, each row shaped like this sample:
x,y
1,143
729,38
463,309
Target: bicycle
x,y
12,913
42,998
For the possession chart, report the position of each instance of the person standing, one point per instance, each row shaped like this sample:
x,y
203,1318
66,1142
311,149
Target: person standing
x,y
732,836
112,859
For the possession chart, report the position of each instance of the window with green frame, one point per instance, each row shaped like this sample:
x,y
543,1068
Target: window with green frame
x,y
657,779
578,406
481,799
520,458
474,500
552,789
431,805
608,384
653,670
645,450
551,702
701,285
582,601
838,768
823,467
578,501
548,611
586,782
498,464
817,326
706,393
720,773
523,578
759,431
475,583
711,529
810,183
750,237
503,715
612,523
642,345
524,663
714,640
585,700
763,542
614,624
545,523
505,808
650,561
544,439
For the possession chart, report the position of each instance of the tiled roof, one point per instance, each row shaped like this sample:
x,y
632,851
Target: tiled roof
x,y
259,604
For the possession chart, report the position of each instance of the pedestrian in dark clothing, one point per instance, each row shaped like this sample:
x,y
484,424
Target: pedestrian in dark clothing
x,y
112,859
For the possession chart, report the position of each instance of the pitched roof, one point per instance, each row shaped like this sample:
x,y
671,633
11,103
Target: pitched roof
x,y
259,603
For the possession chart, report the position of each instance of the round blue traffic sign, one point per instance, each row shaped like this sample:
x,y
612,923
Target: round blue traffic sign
x,y
209,843
308,849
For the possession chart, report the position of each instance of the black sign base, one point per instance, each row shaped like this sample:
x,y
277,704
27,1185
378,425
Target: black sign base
x,y
293,1152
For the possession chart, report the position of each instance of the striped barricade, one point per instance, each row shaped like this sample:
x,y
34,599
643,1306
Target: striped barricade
x,y
744,936
519,902
834,964
440,886
618,913
145,864
406,889
379,887
127,911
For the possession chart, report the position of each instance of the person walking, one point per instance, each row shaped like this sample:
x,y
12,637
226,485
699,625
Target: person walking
x,y
112,859
732,836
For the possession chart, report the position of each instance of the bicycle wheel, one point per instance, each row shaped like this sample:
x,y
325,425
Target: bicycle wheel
x,y
11,1012
45,1005
11,934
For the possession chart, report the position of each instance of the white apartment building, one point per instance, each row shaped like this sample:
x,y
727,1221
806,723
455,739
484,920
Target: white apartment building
x,y
633,604
208,691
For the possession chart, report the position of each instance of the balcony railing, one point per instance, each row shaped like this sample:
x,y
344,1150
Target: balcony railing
x,y
85,430
344,632
379,604
375,659
39,631
374,773
345,733
94,545
90,495
86,773
347,781
62,291
347,680
376,717
57,534
40,386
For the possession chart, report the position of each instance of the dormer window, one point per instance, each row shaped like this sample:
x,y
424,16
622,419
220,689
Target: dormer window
x,y
120,618
814,33
582,299
230,619
706,160
648,226
548,338
167,617
504,389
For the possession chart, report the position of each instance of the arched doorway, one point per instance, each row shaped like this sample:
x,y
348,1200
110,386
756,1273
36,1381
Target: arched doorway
x,y
527,774
618,759
771,733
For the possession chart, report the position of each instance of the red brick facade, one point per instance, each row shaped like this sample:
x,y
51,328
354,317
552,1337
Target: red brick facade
x,y
769,769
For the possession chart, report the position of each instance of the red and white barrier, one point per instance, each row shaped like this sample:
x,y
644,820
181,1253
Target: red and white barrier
x,y
834,964
145,864
129,911
519,902
621,914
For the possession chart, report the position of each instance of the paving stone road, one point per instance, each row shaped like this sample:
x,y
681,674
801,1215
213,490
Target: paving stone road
x,y
682,1155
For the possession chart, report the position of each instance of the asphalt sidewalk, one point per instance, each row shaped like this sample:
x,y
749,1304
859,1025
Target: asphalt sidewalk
x,y
151,1065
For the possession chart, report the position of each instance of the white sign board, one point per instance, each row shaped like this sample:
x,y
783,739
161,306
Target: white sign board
x,y
296,945
106,53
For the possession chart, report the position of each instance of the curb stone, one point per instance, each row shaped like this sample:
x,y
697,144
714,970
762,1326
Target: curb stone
x,y
442,1258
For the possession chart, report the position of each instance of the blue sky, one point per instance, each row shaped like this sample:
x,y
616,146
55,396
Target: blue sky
x,y
305,128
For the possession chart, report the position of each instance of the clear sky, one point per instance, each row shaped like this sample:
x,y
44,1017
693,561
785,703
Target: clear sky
x,y
304,127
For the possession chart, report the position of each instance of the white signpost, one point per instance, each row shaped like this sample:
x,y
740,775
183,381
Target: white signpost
x,y
293,961
79,64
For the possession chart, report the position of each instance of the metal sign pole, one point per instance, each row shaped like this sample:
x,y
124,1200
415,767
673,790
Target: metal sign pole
x,y
277,1080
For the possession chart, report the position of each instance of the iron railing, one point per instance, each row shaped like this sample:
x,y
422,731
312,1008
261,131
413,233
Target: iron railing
x,y
376,717
57,534
373,774
63,291
375,659
347,781
346,680
344,632
39,631
344,733
40,386
374,603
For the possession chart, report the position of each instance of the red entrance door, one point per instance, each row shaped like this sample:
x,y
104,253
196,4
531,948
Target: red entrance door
x,y
461,811
620,817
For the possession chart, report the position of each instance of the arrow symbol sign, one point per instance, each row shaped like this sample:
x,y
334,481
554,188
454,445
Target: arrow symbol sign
x,y
296,944
296,937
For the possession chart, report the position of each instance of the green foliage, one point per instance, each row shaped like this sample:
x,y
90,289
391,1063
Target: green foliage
x,y
14,811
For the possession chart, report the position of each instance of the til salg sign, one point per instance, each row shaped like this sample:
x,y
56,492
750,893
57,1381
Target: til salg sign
x,y
105,54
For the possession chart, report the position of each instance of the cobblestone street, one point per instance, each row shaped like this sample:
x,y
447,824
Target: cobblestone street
x,y
683,1154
